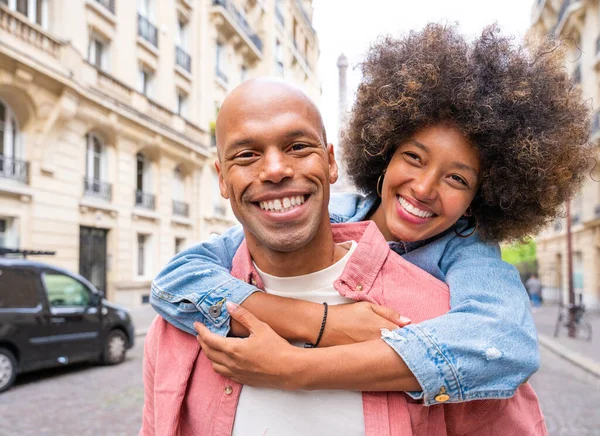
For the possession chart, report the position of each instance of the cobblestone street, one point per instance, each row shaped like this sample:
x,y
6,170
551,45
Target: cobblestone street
x,y
80,400
97,400
569,397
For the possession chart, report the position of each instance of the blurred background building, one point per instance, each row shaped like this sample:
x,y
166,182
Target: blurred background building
x,y
107,111
577,22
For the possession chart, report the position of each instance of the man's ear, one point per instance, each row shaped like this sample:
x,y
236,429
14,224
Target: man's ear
x,y
222,186
333,167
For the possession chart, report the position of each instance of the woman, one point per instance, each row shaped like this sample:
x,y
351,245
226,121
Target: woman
x,y
458,145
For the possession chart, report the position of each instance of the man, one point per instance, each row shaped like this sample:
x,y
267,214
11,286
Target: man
x,y
534,289
275,168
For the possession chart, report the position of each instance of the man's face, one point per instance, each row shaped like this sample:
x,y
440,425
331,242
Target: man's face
x,y
275,168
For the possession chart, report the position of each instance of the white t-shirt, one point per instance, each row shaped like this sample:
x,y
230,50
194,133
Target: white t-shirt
x,y
270,412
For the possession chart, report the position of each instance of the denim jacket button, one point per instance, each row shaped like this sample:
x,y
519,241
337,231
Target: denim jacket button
x,y
215,311
442,396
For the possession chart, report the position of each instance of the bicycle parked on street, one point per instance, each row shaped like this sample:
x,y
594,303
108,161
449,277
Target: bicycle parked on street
x,y
581,327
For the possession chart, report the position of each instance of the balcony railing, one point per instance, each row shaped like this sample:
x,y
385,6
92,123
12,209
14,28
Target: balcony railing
x,y
15,169
241,21
181,208
221,75
183,59
145,200
18,26
147,31
97,188
219,210
108,4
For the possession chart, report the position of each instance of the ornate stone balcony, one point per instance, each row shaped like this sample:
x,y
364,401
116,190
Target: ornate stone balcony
x,y
231,21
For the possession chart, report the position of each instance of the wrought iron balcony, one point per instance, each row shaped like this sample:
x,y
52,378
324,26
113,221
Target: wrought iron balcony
x,y
145,200
181,208
240,19
219,210
147,30
97,188
598,45
108,4
15,169
183,59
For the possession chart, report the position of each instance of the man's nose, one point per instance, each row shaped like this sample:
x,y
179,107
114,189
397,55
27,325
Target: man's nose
x,y
425,186
276,167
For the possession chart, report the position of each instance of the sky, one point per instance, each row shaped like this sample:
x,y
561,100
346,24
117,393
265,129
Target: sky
x,y
349,26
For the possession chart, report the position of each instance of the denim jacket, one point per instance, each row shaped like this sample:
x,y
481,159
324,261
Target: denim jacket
x,y
485,347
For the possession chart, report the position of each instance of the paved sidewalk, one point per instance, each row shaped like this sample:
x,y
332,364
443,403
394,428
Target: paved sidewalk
x,y
583,353
142,317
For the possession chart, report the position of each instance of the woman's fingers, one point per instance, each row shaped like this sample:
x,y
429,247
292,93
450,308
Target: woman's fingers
x,y
391,315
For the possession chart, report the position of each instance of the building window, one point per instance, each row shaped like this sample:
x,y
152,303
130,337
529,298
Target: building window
x,y
143,246
98,52
11,164
218,206
95,158
108,4
143,183
278,58
578,271
9,237
179,244
279,12
145,299
243,73
145,77
182,104
36,11
220,62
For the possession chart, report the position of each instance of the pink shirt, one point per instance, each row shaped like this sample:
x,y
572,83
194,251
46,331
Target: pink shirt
x,y
183,395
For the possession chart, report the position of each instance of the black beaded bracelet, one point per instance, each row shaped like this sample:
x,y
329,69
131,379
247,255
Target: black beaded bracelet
x,y
316,344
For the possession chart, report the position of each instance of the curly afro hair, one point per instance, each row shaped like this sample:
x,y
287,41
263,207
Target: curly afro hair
x,y
515,104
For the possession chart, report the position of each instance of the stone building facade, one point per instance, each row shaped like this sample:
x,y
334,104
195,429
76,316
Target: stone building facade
x,y
577,23
107,109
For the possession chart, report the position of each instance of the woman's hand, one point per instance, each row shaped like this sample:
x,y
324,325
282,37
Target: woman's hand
x,y
358,322
262,359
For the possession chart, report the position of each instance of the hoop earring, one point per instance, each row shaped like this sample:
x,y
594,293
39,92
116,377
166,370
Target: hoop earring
x,y
380,182
471,233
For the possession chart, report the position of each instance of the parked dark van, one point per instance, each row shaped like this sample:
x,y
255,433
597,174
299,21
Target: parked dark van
x,y
52,317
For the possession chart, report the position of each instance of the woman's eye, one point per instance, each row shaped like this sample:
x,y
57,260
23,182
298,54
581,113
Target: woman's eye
x,y
412,156
459,179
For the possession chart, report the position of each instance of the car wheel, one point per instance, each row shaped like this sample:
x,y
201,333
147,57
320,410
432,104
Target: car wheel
x,y
114,348
8,369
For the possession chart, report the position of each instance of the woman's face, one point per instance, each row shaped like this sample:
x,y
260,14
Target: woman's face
x,y
429,184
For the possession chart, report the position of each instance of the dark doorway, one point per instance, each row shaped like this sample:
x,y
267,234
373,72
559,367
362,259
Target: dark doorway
x,y
92,256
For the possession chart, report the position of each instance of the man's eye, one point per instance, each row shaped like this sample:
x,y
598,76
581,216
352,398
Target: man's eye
x,y
298,147
245,155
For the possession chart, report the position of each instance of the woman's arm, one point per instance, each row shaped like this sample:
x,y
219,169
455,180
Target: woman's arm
x,y
267,360
485,347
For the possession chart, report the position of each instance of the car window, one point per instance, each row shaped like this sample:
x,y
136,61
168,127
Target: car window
x,y
65,291
18,289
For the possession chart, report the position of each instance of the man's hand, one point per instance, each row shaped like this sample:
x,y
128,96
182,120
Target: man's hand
x,y
358,322
262,359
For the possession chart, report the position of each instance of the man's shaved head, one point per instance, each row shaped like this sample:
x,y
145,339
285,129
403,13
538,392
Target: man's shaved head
x,y
256,94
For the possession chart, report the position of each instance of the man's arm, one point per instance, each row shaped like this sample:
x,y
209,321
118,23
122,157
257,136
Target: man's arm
x,y
267,360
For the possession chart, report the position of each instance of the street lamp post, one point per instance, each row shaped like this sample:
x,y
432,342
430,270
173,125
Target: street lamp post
x,y
570,274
